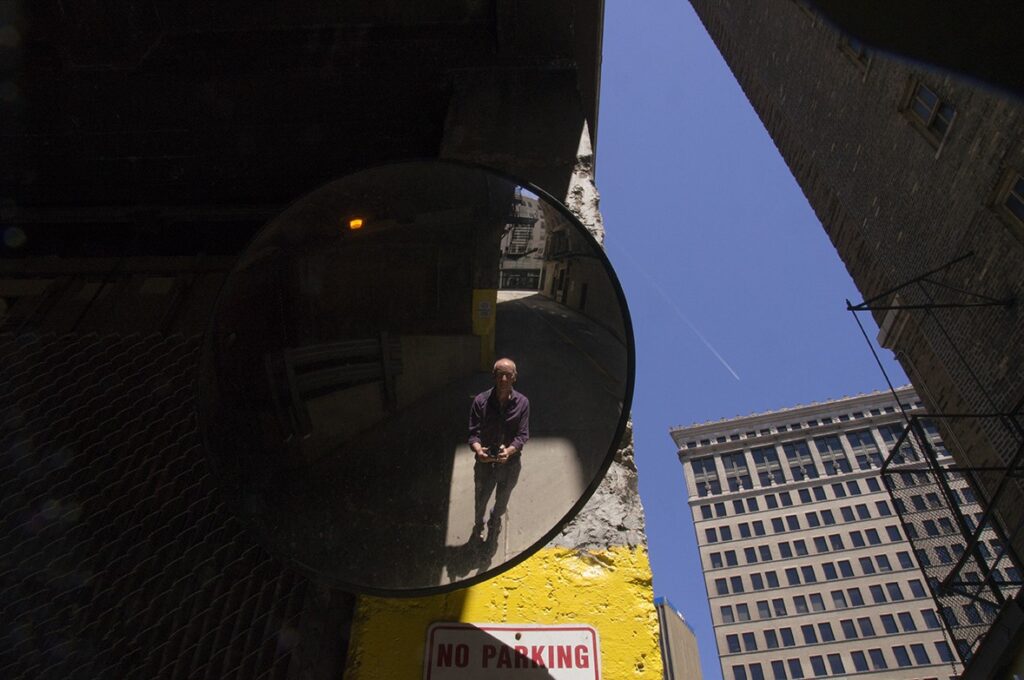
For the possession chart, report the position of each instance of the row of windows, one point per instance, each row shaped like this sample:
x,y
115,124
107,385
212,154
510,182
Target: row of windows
x,y
812,519
812,634
785,498
721,439
800,461
797,576
799,547
927,501
814,602
831,665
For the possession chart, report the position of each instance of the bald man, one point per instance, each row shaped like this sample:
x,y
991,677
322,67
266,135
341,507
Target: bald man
x,y
499,427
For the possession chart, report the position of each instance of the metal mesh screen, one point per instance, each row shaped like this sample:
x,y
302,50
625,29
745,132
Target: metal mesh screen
x,y
117,559
960,549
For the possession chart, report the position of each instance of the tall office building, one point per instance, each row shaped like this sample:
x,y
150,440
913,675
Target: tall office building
x,y
917,177
679,654
806,557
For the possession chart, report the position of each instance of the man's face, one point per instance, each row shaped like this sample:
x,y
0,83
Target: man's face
x,y
504,376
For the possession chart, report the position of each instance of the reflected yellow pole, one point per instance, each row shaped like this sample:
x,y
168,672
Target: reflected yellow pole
x,y
485,308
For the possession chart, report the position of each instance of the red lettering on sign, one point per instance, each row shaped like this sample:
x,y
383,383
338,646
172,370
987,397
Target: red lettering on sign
x,y
489,652
582,657
461,655
522,660
444,656
537,655
505,657
564,657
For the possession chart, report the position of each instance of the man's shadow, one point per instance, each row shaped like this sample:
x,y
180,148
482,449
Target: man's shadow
x,y
475,555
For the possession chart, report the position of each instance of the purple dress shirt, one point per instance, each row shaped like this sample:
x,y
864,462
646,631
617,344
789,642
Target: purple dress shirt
x,y
493,427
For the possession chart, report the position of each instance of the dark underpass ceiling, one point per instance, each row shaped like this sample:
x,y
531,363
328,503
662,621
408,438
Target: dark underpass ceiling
x,y
236,108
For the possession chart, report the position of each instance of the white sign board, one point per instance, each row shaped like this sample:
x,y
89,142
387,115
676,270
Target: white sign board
x,y
502,651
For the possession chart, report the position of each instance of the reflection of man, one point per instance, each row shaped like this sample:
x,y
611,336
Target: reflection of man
x,y
499,427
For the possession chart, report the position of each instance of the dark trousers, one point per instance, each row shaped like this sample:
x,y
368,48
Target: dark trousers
x,y
490,476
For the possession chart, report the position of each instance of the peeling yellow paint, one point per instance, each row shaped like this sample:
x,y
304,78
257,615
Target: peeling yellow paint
x,y
608,589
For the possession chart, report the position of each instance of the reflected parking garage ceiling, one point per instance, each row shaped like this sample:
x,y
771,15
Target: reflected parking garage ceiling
x,y
350,400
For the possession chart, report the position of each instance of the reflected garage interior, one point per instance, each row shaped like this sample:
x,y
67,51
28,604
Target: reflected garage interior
x,y
374,332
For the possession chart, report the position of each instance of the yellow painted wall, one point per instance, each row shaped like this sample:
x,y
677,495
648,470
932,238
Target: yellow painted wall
x,y
609,589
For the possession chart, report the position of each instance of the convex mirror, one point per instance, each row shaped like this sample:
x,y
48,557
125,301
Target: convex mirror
x,y
349,397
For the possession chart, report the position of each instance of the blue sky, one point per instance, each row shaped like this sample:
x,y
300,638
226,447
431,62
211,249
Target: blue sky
x,y
736,293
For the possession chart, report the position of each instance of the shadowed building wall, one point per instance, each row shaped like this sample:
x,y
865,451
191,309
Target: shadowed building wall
x,y
910,171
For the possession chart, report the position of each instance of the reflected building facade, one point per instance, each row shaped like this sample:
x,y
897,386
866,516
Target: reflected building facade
x,y
808,565
522,245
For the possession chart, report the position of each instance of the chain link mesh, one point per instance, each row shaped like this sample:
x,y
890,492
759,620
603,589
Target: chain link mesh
x,y
117,558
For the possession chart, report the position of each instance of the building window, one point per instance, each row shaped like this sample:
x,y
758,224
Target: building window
x,y
902,658
849,630
865,450
726,612
766,462
796,670
929,113
907,622
895,592
860,662
877,660
732,643
809,637
891,434
835,663
833,457
705,476
778,670
801,464
818,666
737,475
1009,200
866,629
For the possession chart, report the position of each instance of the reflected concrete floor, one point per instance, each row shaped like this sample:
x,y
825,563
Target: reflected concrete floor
x,y
395,510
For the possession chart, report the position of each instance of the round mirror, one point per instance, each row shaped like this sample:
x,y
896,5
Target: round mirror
x,y
414,377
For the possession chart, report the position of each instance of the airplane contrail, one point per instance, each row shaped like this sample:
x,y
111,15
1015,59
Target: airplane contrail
x,y
679,312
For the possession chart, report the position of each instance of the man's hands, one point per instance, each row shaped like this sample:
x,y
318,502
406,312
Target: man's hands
x,y
503,456
505,453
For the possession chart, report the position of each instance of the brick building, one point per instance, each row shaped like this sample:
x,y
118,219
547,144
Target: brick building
x,y
916,176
